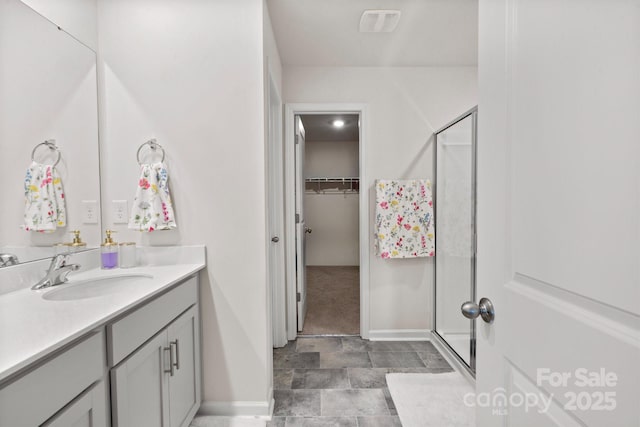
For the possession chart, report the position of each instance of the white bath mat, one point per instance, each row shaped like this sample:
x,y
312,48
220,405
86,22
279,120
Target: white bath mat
x,y
208,421
431,400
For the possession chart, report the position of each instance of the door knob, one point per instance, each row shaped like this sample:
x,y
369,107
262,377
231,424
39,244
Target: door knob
x,y
484,309
275,239
307,230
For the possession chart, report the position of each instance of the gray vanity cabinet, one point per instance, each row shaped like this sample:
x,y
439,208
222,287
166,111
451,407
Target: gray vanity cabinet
x,y
150,359
138,387
159,383
66,389
184,384
87,410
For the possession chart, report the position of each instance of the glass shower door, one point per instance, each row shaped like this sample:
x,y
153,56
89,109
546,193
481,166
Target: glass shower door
x,y
455,235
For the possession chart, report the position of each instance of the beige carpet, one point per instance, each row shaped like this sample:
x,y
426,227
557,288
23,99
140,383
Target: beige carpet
x,y
333,301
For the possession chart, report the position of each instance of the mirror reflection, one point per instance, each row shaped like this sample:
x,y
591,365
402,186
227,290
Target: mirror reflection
x,y
49,161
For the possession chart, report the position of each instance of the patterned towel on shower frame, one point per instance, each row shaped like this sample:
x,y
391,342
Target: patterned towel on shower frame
x,y
404,219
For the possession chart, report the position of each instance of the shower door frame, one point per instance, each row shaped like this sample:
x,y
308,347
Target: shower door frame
x,y
473,113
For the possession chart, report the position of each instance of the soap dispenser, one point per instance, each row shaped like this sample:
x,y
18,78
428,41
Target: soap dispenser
x,y
109,252
77,243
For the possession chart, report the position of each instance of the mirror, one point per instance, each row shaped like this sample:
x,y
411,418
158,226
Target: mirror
x,y
48,91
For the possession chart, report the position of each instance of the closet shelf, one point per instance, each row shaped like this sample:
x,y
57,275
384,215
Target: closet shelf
x,y
332,185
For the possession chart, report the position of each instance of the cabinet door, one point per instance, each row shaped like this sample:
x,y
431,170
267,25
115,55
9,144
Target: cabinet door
x,y
52,383
139,386
87,410
184,383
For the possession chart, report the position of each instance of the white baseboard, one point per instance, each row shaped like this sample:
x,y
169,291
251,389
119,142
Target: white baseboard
x,y
239,408
400,335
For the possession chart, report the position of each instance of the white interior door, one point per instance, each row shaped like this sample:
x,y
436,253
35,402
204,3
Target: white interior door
x,y
275,213
558,213
301,277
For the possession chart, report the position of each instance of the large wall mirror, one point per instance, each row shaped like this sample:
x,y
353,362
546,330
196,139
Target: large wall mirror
x,y
48,92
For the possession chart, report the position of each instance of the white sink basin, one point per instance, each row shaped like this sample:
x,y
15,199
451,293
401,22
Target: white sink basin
x,y
94,287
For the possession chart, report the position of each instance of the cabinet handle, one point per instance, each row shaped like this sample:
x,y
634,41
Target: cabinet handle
x,y
171,363
177,343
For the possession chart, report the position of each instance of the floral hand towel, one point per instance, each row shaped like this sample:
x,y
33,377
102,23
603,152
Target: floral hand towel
x,y
44,199
404,219
152,209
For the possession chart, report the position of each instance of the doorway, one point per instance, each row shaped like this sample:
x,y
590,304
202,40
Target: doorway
x,y
327,279
330,169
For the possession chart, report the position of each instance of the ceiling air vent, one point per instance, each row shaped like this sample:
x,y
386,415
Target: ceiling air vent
x,y
379,21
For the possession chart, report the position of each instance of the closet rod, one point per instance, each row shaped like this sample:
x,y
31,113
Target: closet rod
x,y
333,179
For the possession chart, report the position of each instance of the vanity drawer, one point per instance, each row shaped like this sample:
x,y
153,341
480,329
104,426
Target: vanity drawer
x,y
35,396
131,331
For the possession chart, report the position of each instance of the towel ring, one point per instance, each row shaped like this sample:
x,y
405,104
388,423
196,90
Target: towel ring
x,y
51,143
153,145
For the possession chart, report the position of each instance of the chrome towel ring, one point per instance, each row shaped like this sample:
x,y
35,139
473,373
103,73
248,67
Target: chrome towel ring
x,y
51,144
153,145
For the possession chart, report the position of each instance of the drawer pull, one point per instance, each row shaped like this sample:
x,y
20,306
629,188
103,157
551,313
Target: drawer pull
x,y
171,363
177,343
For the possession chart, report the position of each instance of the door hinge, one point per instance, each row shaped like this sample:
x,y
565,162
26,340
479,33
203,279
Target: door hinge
x,y
297,218
298,297
297,139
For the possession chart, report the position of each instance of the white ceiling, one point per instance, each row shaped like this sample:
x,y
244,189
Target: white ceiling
x,y
318,127
325,33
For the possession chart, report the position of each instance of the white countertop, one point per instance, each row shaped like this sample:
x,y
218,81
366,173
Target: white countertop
x,y
32,327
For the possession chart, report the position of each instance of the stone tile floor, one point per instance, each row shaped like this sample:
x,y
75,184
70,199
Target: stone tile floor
x,y
340,381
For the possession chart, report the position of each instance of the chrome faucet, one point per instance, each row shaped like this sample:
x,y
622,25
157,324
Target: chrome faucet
x,y
58,271
7,260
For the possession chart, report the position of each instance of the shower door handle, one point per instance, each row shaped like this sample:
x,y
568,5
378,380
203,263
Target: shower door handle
x,y
484,309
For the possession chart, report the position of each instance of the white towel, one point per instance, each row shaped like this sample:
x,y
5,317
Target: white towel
x,y
44,199
404,219
152,209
